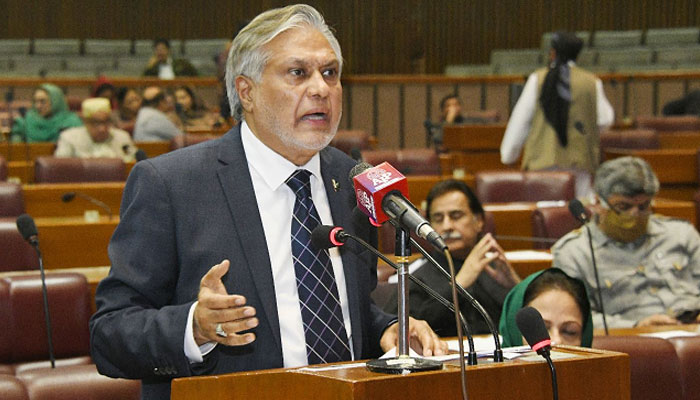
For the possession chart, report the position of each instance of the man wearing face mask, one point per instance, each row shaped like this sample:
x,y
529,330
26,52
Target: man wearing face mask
x,y
648,265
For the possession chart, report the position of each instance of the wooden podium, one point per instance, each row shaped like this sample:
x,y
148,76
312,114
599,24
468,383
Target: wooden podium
x,y
588,374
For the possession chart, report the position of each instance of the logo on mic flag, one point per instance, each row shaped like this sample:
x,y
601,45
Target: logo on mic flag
x,y
373,184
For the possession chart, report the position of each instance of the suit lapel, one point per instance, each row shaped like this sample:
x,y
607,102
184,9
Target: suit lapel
x,y
337,187
237,186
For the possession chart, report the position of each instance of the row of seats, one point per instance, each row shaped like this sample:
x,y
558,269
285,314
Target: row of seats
x,y
604,51
25,371
109,47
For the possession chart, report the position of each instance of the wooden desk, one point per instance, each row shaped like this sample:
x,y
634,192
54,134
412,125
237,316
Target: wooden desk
x,y
647,329
420,185
44,200
679,140
473,137
71,242
23,152
515,219
155,148
588,374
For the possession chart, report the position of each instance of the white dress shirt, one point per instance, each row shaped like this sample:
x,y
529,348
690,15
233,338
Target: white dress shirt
x,y
269,171
520,119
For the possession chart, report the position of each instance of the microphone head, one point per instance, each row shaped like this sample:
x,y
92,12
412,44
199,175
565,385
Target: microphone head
x,y
531,325
326,236
68,196
577,209
358,169
140,155
27,227
356,154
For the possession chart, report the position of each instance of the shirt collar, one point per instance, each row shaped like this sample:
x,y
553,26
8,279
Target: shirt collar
x,y
272,167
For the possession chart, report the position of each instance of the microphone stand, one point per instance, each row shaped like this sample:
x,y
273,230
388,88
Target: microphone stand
x,y
47,316
597,280
498,353
472,357
403,362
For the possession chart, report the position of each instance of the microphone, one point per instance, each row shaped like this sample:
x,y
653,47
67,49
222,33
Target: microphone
x,y
27,228
386,186
326,237
579,212
356,154
531,325
498,353
69,196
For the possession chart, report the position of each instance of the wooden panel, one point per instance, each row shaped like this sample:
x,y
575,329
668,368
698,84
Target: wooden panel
x,y
498,98
671,166
72,242
388,123
414,112
28,151
473,137
668,91
584,374
679,140
641,96
363,109
44,200
154,149
473,162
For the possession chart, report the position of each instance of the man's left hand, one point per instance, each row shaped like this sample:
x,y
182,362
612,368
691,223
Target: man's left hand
x,y
422,339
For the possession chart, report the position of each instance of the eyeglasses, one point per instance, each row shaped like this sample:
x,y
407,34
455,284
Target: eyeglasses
x,y
624,207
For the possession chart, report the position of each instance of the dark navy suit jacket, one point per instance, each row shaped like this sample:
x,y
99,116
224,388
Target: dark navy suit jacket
x,y
182,213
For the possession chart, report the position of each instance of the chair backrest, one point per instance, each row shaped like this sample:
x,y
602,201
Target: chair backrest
x,y
654,366
15,253
527,186
78,382
11,199
407,161
688,352
12,388
671,123
345,140
188,139
49,169
629,139
24,337
3,169
552,223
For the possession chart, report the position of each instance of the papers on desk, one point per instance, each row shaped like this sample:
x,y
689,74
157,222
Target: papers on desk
x,y
528,255
671,334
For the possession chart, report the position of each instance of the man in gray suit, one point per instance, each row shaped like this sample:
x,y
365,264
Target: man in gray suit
x,y
205,276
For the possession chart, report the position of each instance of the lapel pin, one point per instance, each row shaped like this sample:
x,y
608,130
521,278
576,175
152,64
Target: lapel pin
x,y
336,185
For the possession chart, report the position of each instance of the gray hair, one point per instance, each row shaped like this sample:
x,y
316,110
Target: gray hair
x,y
247,57
626,176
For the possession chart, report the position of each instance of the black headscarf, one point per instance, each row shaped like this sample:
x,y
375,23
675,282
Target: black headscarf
x,y
556,89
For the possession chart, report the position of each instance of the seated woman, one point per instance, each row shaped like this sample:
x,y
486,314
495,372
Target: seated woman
x,y
192,112
128,105
46,119
561,300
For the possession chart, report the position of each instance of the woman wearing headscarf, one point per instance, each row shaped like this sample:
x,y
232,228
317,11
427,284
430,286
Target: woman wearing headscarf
x,y
46,119
558,117
560,299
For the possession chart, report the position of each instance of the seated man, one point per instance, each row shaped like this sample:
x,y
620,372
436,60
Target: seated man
x,y
648,265
162,64
98,138
480,263
152,122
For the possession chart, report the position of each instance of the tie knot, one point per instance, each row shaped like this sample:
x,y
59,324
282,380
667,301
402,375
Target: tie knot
x,y
300,183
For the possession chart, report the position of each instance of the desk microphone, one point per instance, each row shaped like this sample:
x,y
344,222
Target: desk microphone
x,y
27,228
531,325
579,212
326,237
69,196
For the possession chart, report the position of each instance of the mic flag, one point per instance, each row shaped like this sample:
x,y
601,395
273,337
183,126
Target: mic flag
x,y
372,185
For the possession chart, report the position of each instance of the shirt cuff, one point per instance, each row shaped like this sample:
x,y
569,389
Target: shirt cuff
x,y
195,354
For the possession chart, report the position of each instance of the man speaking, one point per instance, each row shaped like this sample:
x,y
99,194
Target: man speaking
x,y
212,266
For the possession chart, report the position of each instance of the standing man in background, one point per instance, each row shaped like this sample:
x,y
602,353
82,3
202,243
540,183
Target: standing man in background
x,y
212,266
559,116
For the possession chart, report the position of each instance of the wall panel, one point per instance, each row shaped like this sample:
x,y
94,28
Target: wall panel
x,y
388,36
